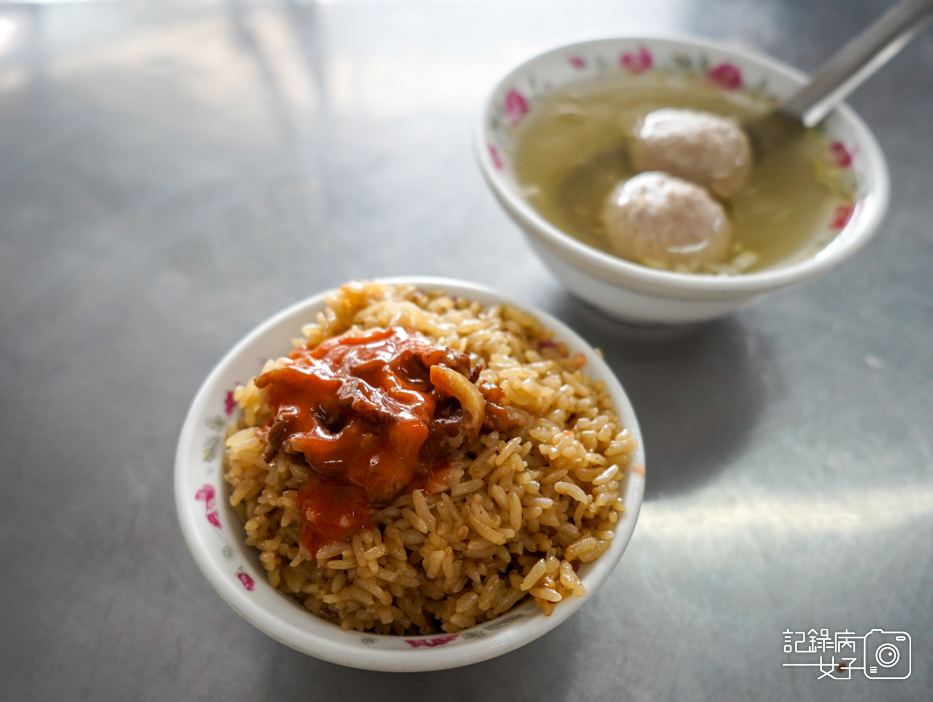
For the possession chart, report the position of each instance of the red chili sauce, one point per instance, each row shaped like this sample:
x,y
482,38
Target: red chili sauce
x,y
361,410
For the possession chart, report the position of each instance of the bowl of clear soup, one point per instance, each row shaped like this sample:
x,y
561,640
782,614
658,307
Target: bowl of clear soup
x,y
625,163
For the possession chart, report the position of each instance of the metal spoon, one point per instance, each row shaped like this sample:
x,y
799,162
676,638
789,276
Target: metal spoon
x,y
843,73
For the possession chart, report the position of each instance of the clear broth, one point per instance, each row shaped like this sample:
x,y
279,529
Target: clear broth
x,y
572,149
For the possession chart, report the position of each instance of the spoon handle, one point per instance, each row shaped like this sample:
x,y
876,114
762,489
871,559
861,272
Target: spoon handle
x,y
858,60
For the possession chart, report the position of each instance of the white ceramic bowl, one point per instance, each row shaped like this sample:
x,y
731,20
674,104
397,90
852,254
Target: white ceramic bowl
x,y
216,537
635,293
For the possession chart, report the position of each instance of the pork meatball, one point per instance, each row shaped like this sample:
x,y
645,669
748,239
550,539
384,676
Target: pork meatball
x,y
658,219
704,148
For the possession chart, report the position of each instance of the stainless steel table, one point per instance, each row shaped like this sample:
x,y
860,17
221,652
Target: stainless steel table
x,y
171,174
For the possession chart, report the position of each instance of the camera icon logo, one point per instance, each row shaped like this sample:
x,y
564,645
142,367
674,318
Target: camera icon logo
x,y
887,655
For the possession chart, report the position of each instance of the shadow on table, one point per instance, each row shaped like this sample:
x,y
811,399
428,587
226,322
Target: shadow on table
x,y
697,390
537,671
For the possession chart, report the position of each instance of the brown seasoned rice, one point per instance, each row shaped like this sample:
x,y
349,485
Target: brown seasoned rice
x,y
520,511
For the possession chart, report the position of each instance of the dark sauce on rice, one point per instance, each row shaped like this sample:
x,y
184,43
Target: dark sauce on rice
x,y
372,418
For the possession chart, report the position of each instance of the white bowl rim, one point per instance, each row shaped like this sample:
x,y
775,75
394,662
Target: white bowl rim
x,y
334,645
612,268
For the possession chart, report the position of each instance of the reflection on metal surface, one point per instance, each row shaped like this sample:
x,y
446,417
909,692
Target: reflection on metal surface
x,y
8,31
276,40
17,39
734,513
13,78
